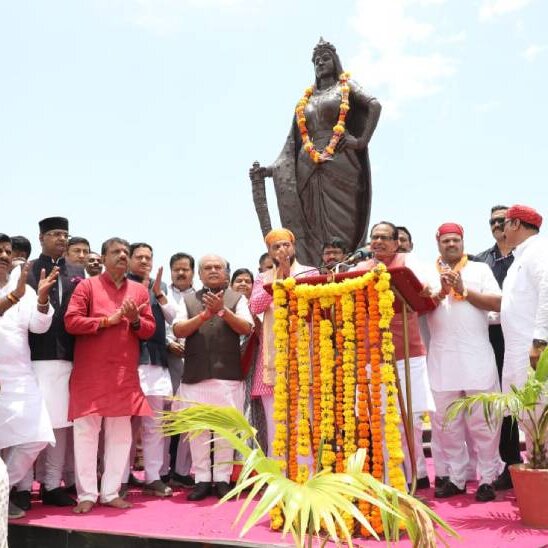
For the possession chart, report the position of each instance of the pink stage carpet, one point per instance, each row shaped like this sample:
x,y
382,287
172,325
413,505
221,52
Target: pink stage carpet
x,y
489,525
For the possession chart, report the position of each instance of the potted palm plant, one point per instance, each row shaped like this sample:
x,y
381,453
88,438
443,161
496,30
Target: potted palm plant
x,y
528,406
318,508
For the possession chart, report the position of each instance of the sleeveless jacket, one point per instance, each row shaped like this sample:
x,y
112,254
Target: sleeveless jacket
x,y
213,351
55,343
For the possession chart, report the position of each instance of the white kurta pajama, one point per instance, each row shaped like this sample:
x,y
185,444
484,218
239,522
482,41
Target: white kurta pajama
x,y
183,461
461,362
25,426
524,309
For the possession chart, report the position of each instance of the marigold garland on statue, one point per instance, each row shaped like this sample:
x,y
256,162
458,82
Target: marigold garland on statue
x,y
338,130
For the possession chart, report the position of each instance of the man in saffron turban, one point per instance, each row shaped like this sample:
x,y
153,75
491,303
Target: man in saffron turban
x,y
280,244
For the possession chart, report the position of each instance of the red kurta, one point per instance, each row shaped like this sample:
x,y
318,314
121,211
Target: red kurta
x,y
104,378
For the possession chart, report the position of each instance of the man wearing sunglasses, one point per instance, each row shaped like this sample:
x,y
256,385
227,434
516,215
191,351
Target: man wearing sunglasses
x,y
499,258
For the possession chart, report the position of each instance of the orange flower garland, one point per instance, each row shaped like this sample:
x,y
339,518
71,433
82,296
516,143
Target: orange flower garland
x,y
339,387
303,356
293,380
376,421
338,129
363,389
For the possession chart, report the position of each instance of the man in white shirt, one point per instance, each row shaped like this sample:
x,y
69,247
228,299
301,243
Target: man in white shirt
x,y
461,362
524,309
182,276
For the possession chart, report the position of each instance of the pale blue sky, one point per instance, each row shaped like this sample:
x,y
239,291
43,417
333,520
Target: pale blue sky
x,y
140,118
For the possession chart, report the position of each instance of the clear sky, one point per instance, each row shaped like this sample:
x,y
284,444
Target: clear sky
x,y
141,118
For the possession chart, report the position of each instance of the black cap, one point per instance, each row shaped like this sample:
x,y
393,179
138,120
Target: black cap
x,y
53,223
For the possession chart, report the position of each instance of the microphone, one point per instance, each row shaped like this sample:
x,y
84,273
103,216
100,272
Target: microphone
x,y
361,254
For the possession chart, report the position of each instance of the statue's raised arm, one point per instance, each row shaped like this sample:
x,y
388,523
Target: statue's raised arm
x,y
322,176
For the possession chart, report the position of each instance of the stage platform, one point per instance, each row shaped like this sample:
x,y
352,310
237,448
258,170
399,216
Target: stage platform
x,y
172,522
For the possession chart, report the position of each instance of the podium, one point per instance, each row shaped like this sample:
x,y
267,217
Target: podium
x,y
407,291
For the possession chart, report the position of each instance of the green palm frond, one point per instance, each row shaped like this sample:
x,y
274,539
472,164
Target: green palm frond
x,y
541,372
320,504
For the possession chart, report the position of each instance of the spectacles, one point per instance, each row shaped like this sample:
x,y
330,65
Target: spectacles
x,y
57,234
381,237
497,221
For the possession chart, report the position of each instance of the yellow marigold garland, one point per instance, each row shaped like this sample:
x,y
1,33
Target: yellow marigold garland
x,y
327,422
316,378
281,361
392,434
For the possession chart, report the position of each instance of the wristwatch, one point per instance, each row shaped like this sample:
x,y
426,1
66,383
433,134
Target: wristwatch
x,y
539,343
221,313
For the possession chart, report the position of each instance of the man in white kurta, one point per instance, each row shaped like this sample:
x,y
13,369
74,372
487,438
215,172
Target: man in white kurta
x,y
25,427
524,309
461,362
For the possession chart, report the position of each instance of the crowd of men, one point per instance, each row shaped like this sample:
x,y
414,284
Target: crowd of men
x,y
94,346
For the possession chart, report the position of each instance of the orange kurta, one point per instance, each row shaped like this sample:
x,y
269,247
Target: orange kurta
x,y
104,378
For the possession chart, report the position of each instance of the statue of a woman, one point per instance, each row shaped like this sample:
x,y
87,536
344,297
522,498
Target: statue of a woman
x,y
322,176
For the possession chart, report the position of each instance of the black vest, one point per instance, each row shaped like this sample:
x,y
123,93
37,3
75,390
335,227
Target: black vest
x,y
55,343
213,351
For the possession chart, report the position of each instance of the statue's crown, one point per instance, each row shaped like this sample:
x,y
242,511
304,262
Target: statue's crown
x,y
321,46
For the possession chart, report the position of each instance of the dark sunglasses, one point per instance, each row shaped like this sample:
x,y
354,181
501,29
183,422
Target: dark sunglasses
x,y
497,221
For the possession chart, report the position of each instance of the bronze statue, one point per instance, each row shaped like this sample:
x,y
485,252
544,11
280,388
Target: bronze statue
x,y
322,176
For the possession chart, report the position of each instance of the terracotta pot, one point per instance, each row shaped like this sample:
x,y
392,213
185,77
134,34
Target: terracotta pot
x,y
531,489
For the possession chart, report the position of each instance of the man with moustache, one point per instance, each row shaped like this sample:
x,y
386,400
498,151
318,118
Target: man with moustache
x,y
499,258
52,353
182,275
212,321
524,309
280,243
461,362
384,246
110,315
94,264
333,252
